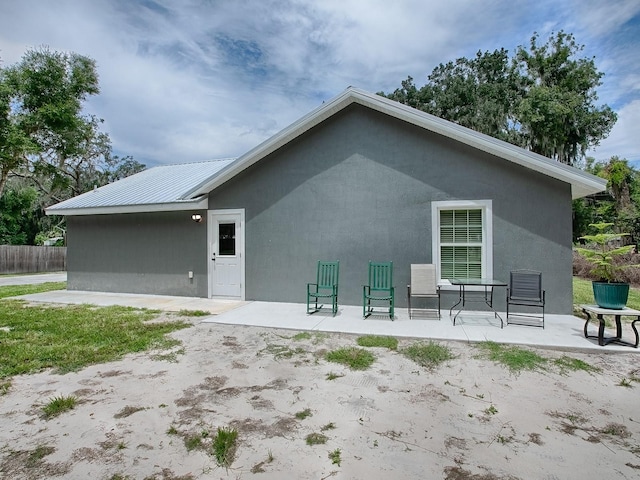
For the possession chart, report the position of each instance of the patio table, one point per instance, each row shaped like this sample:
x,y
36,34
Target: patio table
x,y
469,288
617,314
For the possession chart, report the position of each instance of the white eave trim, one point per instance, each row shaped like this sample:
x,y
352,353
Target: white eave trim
x,y
200,204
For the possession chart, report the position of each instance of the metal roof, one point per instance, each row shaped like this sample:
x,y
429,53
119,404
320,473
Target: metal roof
x,y
186,186
159,188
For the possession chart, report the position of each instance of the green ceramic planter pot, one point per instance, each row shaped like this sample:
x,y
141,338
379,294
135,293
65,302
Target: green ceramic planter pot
x,y
611,295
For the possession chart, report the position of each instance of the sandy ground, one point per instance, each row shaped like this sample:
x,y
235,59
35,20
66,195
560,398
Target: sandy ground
x,y
467,419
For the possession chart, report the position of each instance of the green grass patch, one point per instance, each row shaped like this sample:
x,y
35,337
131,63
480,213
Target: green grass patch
x,y
582,292
353,357
333,376
17,290
566,363
259,467
59,405
4,388
71,337
315,337
316,439
35,457
302,336
127,411
616,430
492,410
624,382
193,442
282,351
378,341
515,359
171,357
335,457
304,414
224,446
428,355
194,313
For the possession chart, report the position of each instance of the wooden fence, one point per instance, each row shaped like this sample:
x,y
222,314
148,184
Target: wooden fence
x,y
32,259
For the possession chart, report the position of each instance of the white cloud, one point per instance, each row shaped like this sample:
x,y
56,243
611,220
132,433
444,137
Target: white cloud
x,y
192,80
623,141
602,17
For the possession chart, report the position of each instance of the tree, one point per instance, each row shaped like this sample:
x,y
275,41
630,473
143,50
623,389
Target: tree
x,y
543,99
47,141
44,128
18,220
476,93
623,188
619,204
15,143
557,113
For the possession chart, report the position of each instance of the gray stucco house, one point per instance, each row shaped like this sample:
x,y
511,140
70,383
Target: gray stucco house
x,y
359,178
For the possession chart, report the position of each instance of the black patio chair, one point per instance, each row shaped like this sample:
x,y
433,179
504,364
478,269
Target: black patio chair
x,y
525,289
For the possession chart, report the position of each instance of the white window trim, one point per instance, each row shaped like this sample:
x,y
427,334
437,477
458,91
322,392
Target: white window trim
x,y
487,234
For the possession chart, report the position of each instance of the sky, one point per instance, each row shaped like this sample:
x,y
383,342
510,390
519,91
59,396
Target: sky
x,y
194,80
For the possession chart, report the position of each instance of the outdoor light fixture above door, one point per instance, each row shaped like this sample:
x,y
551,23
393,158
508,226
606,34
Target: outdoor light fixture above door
x,y
196,217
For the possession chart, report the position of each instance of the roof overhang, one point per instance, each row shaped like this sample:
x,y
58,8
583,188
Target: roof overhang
x,y
201,203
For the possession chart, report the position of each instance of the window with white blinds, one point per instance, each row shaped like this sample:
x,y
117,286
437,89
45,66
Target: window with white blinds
x,y
462,247
461,243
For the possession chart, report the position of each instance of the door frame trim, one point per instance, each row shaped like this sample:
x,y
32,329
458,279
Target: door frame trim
x,y
211,214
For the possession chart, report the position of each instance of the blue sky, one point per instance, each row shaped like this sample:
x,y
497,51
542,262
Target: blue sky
x,y
192,80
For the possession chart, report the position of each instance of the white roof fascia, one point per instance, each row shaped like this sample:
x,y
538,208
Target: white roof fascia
x,y
582,183
199,204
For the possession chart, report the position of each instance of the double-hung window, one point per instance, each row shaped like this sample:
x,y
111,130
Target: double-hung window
x,y
462,239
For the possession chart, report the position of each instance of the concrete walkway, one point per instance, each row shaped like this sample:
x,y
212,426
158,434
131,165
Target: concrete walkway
x,y
33,278
561,331
154,302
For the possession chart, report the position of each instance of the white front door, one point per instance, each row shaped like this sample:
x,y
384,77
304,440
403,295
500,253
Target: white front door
x,y
226,253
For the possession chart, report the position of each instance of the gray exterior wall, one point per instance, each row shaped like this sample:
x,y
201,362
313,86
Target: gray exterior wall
x,y
138,253
359,187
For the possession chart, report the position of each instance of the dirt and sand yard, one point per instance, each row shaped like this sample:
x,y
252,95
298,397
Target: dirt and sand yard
x,y
299,416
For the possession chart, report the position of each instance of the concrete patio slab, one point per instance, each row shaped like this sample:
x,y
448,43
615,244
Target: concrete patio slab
x,y
561,331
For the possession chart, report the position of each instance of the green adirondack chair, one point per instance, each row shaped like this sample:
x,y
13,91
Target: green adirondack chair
x,y
326,286
380,288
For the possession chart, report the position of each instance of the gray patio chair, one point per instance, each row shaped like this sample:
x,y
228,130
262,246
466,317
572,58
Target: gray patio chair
x,y
525,289
423,284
